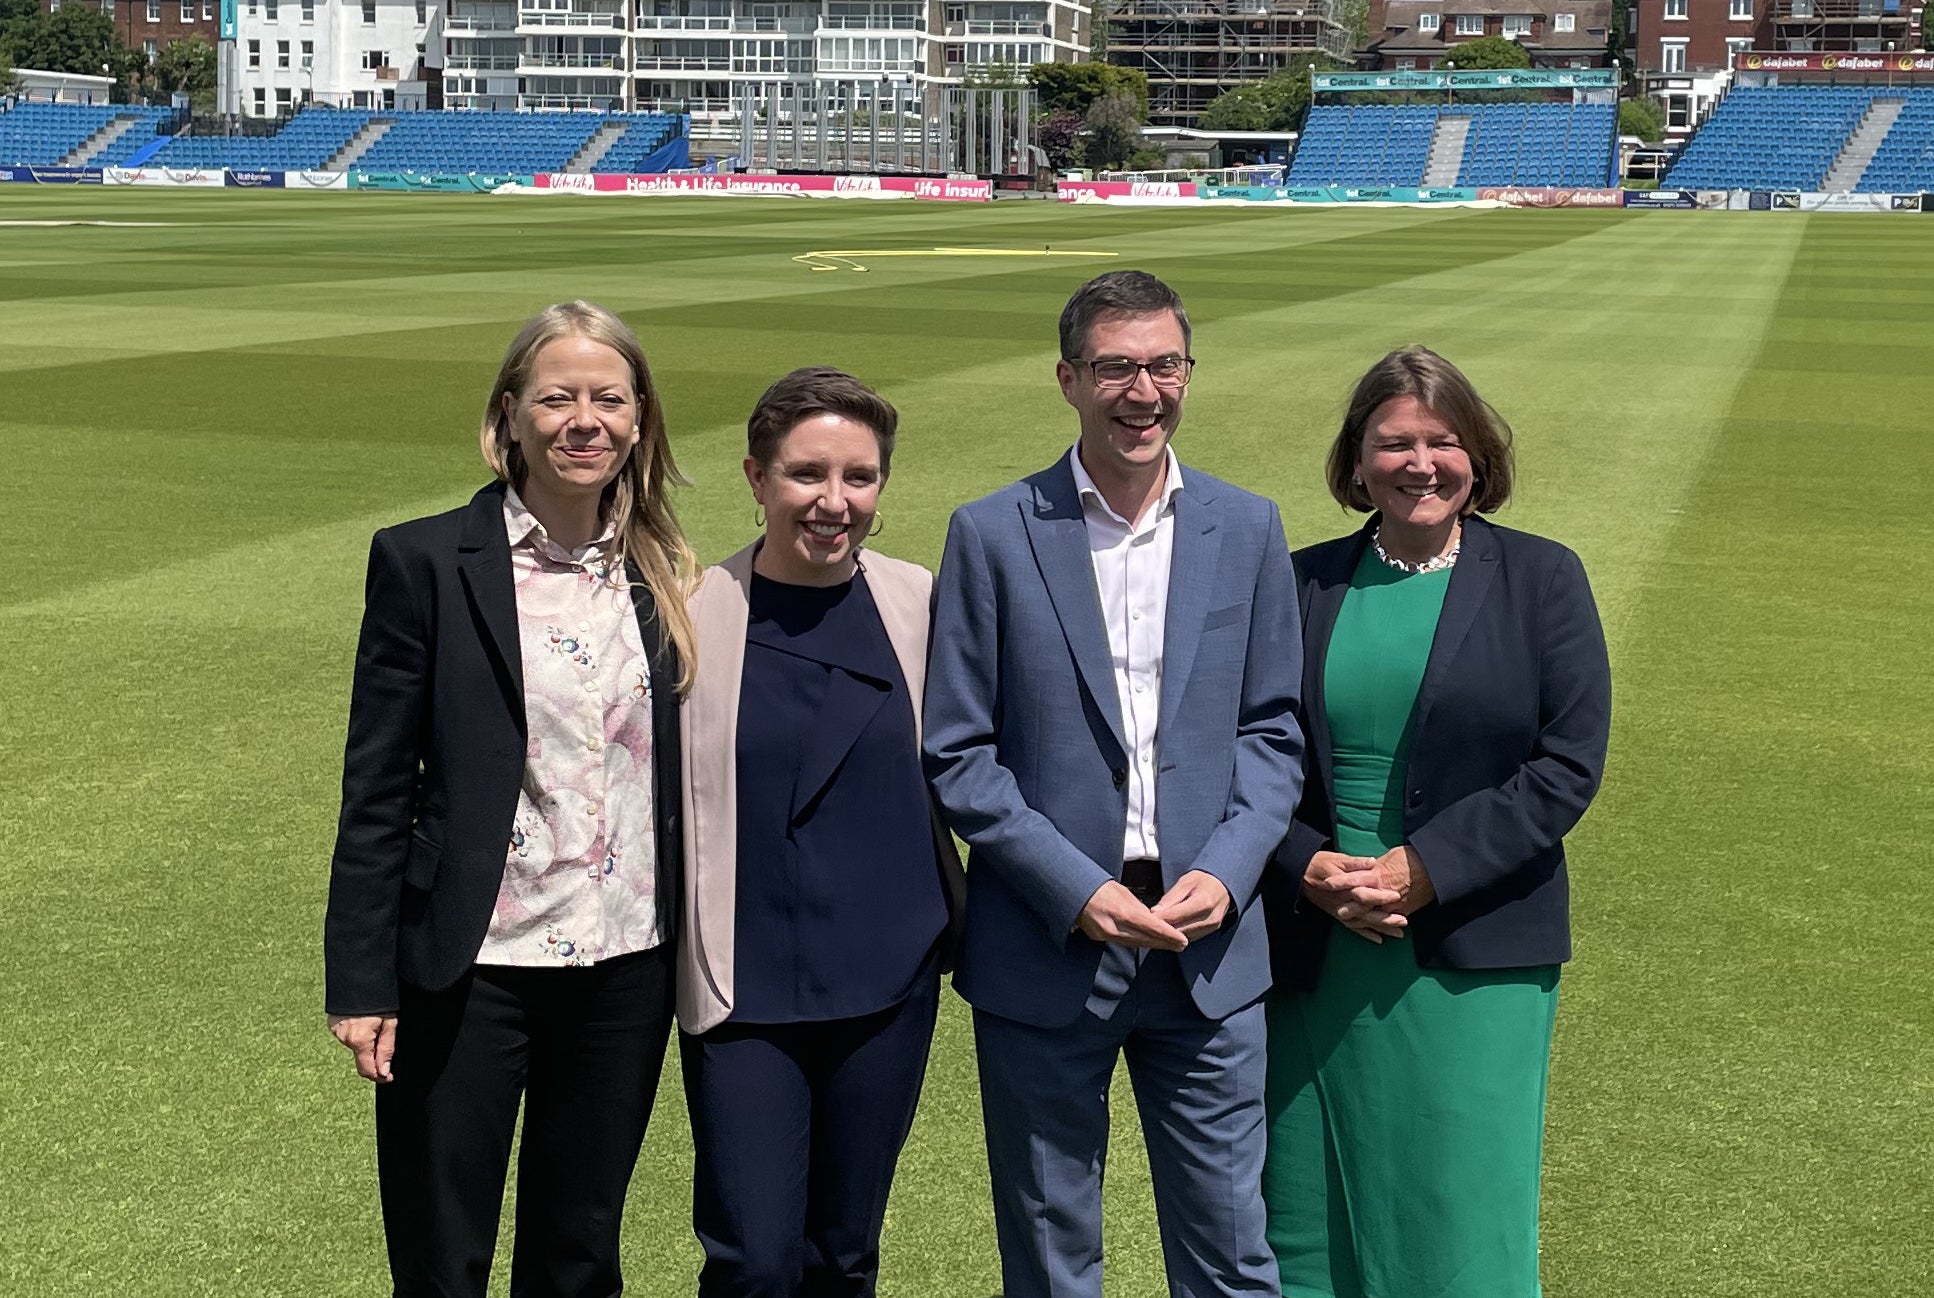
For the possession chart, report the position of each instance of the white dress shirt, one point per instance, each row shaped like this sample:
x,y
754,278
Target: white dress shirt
x,y
1131,562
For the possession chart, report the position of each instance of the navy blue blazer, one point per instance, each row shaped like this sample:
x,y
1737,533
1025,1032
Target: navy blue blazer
x,y
1507,749
1025,747
435,756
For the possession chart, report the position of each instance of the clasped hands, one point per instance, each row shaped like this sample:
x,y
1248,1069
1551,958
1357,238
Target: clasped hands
x,y
1369,895
1194,908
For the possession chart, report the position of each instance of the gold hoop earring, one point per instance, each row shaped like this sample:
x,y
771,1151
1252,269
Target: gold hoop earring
x,y
759,516
879,524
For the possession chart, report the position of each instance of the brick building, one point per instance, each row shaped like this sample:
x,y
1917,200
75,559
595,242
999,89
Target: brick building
x,y
1421,34
150,24
1683,50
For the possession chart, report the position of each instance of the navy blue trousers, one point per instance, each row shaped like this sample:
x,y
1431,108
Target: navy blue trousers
x,y
581,1048
797,1128
1199,1088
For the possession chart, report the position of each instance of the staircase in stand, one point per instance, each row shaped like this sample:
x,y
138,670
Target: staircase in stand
x,y
596,147
359,144
97,144
1851,163
1446,151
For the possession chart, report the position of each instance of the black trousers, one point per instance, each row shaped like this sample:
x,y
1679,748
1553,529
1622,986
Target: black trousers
x,y
582,1047
797,1129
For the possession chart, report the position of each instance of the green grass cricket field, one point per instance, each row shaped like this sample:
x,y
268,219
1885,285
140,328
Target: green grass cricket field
x,y
206,411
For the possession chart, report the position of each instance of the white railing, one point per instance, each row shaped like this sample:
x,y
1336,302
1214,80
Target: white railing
x,y
480,62
999,27
681,23
568,103
651,63
579,62
467,23
855,23
614,22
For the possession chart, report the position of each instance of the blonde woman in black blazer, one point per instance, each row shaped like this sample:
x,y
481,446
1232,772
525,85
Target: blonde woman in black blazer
x,y
504,889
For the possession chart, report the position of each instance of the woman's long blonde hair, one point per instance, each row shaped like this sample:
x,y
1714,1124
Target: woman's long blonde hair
x,y
637,503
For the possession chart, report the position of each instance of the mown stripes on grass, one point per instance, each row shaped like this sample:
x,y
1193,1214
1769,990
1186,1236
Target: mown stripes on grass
x,y
206,422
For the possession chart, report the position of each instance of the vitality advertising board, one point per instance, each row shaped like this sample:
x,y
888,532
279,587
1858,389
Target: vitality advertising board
x,y
1108,191
1550,196
916,187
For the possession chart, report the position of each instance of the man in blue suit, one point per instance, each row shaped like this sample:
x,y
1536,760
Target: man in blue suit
x,y
1109,725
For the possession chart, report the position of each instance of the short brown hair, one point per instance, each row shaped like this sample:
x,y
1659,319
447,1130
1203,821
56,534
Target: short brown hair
x,y
1118,293
809,393
1442,388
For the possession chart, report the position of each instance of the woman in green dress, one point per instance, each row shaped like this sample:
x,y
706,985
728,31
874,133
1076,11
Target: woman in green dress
x,y
1456,701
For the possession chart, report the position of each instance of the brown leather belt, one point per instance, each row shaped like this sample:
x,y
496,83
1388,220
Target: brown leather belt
x,y
1144,879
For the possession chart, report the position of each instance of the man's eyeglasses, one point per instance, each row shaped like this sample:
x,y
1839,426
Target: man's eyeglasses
x,y
1163,371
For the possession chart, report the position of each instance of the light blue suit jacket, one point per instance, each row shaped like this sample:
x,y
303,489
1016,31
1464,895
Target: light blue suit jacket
x,y
1024,736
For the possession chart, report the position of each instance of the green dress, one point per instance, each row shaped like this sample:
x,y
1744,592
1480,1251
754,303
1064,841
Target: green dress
x,y
1405,1105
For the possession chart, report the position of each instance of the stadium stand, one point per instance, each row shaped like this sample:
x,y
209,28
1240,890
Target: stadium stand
x,y
1571,145
1790,137
1565,144
45,135
460,142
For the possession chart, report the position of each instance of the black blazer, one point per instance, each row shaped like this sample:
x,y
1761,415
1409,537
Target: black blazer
x,y
1506,751
435,757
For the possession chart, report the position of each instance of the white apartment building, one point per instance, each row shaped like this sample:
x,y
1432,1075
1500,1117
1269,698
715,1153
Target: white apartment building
x,y
693,55
344,53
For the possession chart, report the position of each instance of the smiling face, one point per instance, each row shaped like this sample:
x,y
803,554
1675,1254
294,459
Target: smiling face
x,y
820,492
1414,469
575,422
1125,432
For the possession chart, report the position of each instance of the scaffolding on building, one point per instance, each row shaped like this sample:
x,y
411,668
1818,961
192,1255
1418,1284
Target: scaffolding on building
x,y
1194,50
1871,26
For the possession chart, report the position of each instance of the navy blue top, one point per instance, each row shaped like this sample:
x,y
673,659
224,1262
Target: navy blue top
x,y
840,907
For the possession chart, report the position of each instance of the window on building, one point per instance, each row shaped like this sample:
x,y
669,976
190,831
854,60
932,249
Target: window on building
x,y
53,6
422,12
369,13
1428,22
149,49
282,54
1516,26
187,11
1565,23
282,98
154,11
269,9
255,54
208,11
1406,65
1740,11
1672,56
107,7
1473,24
1675,9
308,11
261,102
1737,45
373,59
308,54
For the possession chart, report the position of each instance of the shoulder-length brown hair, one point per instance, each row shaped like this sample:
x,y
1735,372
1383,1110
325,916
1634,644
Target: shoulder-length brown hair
x,y
1442,388
637,502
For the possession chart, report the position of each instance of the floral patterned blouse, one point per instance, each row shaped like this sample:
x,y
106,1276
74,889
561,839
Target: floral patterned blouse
x,y
580,879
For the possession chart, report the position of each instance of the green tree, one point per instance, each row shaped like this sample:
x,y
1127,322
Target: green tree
x,y
9,83
1488,52
1058,132
76,38
1276,104
1642,116
187,65
1076,86
1114,129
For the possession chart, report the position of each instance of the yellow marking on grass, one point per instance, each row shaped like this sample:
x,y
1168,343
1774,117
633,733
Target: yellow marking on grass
x,y
833,259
